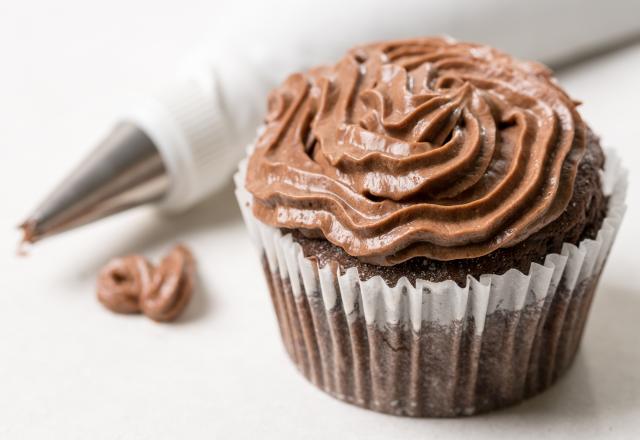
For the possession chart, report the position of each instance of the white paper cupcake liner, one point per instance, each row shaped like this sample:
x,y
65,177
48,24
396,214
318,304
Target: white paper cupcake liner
x,y
449,340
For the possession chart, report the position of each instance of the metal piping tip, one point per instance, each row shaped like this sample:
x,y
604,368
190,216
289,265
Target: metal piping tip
x,y
124,171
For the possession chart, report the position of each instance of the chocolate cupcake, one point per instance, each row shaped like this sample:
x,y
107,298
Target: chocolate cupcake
x,y
433,219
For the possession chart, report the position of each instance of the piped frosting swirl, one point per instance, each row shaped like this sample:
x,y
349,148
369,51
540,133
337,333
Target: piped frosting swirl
x,y
131,284
425,147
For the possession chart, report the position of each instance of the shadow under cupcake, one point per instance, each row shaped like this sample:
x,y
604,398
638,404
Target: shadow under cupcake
x,y
433,218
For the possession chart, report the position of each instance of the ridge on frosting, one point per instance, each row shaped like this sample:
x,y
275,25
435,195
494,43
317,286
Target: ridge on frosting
x,y
424,147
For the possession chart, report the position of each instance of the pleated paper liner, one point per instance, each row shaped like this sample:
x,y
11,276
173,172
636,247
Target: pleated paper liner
x,y
435,349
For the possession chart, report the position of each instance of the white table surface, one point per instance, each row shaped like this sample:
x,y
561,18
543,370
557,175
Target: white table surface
x,y
69,369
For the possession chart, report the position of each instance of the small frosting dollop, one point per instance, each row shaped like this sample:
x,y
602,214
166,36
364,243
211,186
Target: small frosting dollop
x,y
170,287
121,281
131,284
424,147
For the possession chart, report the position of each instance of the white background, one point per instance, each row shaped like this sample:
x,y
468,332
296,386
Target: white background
x,y
69,369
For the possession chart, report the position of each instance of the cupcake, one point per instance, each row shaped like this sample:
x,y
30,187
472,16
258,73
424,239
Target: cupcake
x,y
433,218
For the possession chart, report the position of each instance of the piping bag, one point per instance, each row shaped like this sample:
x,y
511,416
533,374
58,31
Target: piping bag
x,y
183,143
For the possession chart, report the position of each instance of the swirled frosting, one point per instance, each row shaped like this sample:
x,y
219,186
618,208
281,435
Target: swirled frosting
x,y
121,281
131,284
425,147
170,287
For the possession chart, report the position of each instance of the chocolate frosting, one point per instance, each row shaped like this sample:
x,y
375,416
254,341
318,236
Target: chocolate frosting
x,y
171,286
131,284
425,147
121,281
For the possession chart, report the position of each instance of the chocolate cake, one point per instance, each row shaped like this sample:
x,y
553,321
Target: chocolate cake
x,y
434,217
